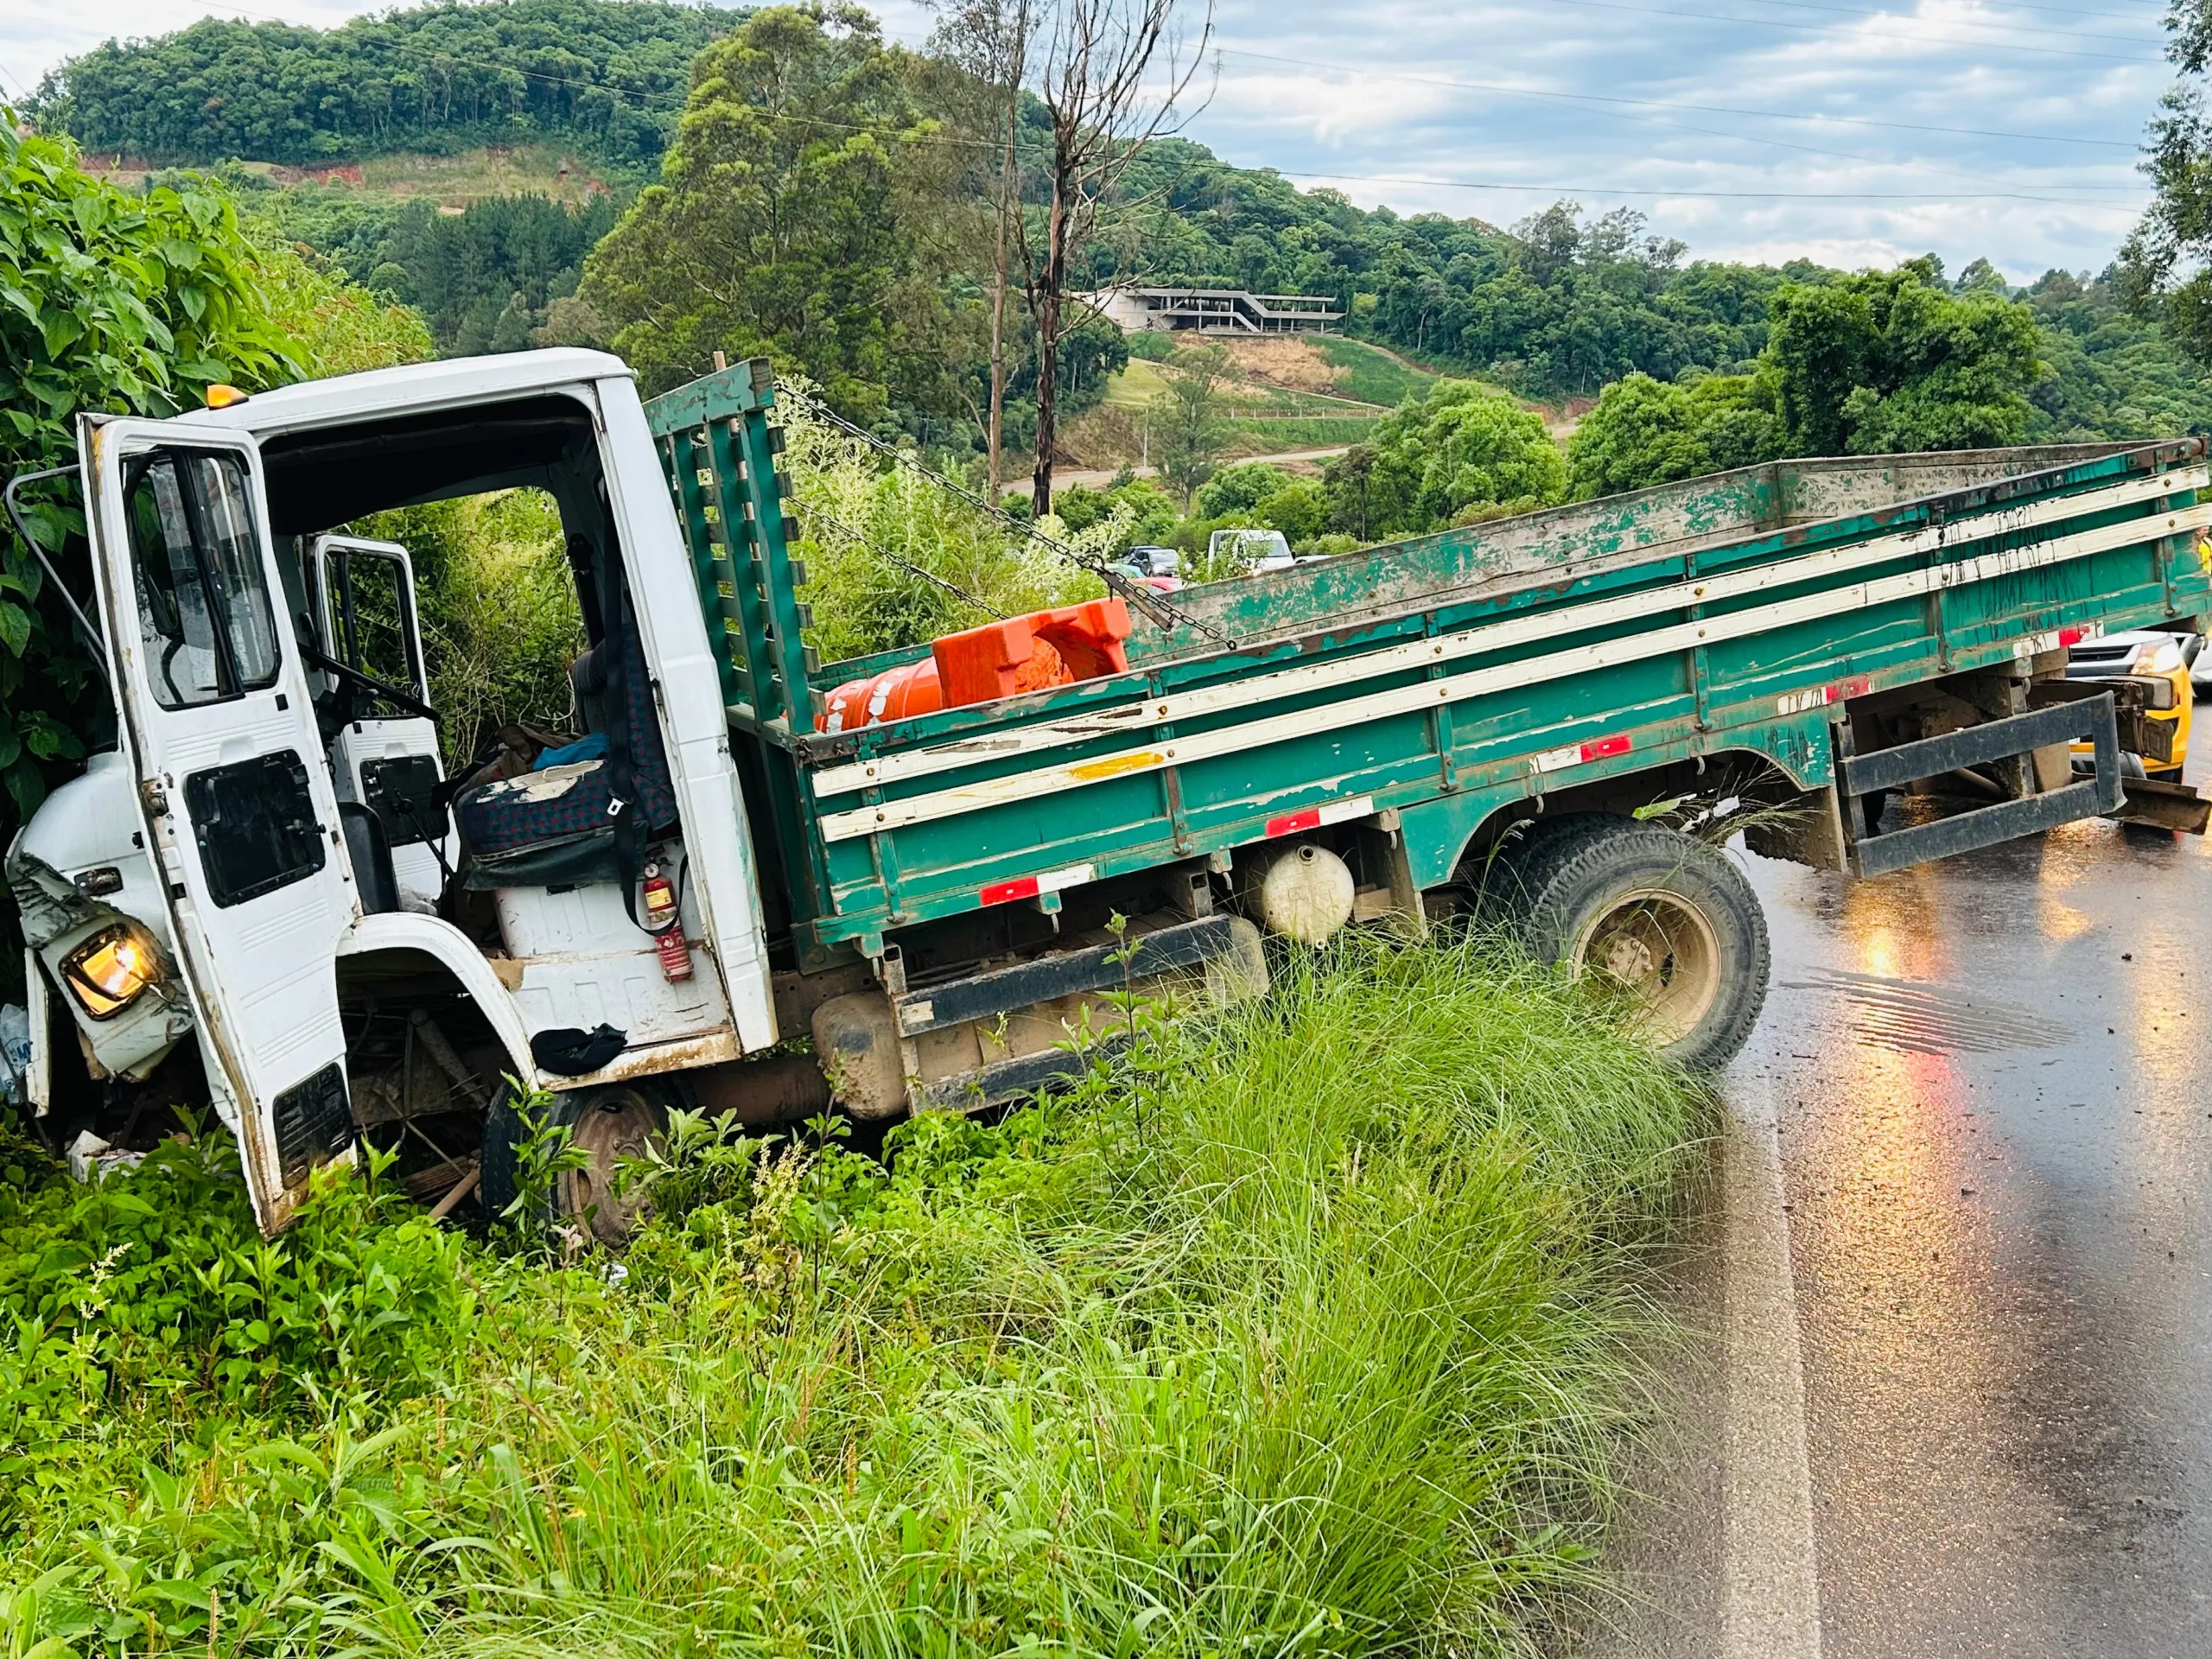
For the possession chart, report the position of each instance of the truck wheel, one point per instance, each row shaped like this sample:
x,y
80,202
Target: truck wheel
x,y
1669,919
607,1125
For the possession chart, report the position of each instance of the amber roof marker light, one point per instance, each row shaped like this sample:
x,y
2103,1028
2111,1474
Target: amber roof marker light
x,y
220,396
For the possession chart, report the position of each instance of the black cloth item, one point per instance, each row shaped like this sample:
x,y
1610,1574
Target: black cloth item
x,y
570,1052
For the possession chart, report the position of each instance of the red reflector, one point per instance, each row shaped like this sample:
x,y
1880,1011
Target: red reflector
x,y
1291,823
2068,637
1604,746
1004,893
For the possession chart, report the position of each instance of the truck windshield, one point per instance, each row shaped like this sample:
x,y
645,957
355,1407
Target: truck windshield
x,y
203,605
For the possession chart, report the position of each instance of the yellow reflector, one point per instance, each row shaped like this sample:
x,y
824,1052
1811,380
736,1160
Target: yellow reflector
x,y
1091,771
222,397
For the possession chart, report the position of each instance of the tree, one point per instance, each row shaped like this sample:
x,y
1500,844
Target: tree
x,y
1890,360
1114,77
1464,446
2166,265
792,218
1240,488
130,305
1645,432
1189,426
988,41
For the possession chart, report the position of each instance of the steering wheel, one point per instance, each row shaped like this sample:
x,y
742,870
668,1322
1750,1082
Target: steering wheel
x,y
406,702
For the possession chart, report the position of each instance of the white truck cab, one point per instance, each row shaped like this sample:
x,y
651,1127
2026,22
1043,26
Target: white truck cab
x,y
249,883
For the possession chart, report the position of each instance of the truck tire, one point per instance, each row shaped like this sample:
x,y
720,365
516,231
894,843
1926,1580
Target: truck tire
x,y
496,1184
1670,918
1497,877
608,1124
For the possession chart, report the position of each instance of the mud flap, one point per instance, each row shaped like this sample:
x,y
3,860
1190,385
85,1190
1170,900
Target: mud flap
x,y
2168,806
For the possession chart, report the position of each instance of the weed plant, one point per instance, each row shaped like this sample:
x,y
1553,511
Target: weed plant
x,y
1310,1329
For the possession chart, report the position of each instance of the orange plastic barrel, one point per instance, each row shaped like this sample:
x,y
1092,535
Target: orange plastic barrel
x,y
895,694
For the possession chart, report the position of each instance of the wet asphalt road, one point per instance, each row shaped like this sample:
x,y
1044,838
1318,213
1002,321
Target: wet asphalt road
x,y
1990,1083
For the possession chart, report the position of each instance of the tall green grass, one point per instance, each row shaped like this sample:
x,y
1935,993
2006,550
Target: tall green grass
x,y
1371,374
1276,435
1315,1329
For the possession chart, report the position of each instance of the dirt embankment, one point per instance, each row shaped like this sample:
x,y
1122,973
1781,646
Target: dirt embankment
x,y
1291,361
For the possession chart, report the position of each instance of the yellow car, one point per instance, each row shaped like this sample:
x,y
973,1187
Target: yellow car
x,y
2162,656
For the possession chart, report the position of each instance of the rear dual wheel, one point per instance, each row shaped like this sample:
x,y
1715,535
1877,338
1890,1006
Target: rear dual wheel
x,y
1664,918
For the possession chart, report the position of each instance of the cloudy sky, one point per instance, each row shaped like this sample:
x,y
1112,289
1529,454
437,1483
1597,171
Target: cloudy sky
x,y
1853,131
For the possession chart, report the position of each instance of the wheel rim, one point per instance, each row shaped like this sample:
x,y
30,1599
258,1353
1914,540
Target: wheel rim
x,y
618,1124
1662,952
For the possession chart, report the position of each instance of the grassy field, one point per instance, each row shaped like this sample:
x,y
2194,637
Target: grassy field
x,y
1315,1330
1371,374
1307,391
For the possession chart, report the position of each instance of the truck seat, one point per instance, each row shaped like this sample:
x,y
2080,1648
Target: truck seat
x,y
556,824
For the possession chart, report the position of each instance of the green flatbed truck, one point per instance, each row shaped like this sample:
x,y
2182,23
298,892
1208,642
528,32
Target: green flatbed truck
x,y
1476,719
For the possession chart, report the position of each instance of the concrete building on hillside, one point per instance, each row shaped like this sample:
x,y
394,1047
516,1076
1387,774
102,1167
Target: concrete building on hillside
x,y
1215,311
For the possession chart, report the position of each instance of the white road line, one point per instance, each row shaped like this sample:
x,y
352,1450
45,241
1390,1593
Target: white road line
x,y
1771,1596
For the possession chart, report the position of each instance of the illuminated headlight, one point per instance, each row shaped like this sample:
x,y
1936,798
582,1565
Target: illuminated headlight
x,y
2165,660
107,973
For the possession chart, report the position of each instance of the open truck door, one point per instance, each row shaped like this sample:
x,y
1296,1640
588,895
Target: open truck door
x,y
234,799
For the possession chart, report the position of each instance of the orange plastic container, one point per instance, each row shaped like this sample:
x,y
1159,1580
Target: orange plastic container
x,y
999,659
895,694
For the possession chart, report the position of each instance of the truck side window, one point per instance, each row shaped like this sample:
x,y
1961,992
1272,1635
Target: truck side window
x,y
203,603
371,613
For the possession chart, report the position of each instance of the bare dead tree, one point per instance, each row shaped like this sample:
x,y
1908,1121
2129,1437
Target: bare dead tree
x,y
989,41
1113,75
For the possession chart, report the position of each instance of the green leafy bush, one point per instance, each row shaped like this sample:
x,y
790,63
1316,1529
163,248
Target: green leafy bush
x,y
108,301
1238,489
1461,446
1887,361
153,1295
1643,433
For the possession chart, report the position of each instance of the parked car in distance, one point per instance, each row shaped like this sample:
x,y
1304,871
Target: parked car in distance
x,y
1159,569
1135,574
1261,550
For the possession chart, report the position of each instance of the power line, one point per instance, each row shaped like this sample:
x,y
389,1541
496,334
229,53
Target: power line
x,y
1593,99
1915,163
2017,28
1703,196
1829,28
1703,108
2077,11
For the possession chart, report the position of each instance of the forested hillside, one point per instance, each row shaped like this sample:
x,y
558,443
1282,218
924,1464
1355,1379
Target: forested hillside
x,y
1561,305
1558,306
605,75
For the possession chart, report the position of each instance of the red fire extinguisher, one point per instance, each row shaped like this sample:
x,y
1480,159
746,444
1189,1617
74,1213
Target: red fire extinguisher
x,y
666,922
